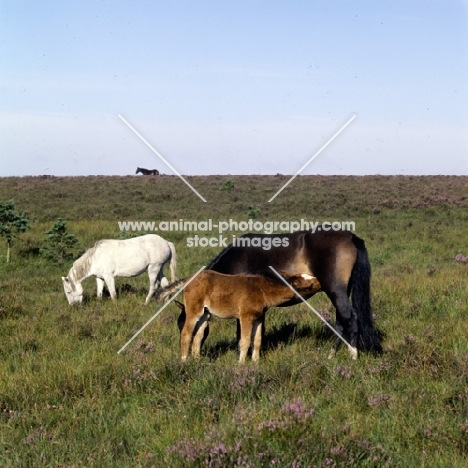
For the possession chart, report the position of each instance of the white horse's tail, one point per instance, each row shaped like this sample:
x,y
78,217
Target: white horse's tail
x,y
173,264
170,290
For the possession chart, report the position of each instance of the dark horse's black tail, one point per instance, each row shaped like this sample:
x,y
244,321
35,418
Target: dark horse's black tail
x,y
360,295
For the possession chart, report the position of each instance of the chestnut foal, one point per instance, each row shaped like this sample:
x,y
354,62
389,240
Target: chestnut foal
x,y
243,297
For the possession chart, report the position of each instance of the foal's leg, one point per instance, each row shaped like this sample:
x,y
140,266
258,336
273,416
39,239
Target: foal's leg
x,y
257,334
191,319
246,325
259,337
200,333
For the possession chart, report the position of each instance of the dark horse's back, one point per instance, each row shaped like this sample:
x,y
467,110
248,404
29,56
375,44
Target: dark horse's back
x,y
302,252
338,259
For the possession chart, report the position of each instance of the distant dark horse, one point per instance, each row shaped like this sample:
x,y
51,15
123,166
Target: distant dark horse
x,y
338,259
147,171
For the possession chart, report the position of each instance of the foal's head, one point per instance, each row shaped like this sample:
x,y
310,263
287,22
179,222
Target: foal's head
x,y
303,282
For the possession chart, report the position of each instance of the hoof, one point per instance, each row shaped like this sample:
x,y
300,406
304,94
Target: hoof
x,y
354,353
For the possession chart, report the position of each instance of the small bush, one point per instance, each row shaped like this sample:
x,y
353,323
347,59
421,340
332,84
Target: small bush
x,y
227,185
60,245
11,223
253,211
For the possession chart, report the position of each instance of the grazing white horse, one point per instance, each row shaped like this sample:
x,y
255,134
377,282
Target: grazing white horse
x,y
130,257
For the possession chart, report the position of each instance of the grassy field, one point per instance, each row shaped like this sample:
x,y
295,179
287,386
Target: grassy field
x,y
67,399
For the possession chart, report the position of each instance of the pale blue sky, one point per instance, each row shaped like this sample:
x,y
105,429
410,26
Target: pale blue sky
x,y
234,87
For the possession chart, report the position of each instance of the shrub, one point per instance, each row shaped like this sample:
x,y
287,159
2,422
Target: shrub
x,y
253,211
60,245
227,185
11,222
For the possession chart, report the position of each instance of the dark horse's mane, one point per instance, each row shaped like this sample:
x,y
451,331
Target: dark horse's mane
x,y
219,256
227,250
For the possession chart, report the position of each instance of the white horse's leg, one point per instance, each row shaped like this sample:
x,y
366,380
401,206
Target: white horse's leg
x,y
154,273
100,286
162,279
110,282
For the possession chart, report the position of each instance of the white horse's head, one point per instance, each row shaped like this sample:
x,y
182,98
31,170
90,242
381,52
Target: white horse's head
x,y
73,291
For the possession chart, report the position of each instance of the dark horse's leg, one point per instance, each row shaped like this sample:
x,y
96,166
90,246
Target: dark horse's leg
x,y
346,322
351,276
333,260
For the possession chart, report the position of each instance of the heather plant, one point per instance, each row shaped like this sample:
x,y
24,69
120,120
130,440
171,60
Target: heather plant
x,y
234,448
461,258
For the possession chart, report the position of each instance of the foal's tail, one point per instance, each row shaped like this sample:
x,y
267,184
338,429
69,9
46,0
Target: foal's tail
x,y
360,284
173,264
168,291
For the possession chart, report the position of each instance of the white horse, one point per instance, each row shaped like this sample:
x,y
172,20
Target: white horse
x,y
130,257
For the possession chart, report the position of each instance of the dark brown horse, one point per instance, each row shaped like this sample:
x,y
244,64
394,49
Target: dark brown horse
x,y
147,171
339,261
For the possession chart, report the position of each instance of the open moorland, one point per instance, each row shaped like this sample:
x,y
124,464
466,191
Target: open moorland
x,y
67,399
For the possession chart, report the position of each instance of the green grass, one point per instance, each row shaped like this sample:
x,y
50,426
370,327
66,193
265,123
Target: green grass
x,y
67,399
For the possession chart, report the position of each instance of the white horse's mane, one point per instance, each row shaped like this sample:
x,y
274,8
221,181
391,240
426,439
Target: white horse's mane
x,y
82,265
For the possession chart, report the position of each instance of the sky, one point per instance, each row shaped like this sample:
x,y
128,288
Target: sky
x,y
234,87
